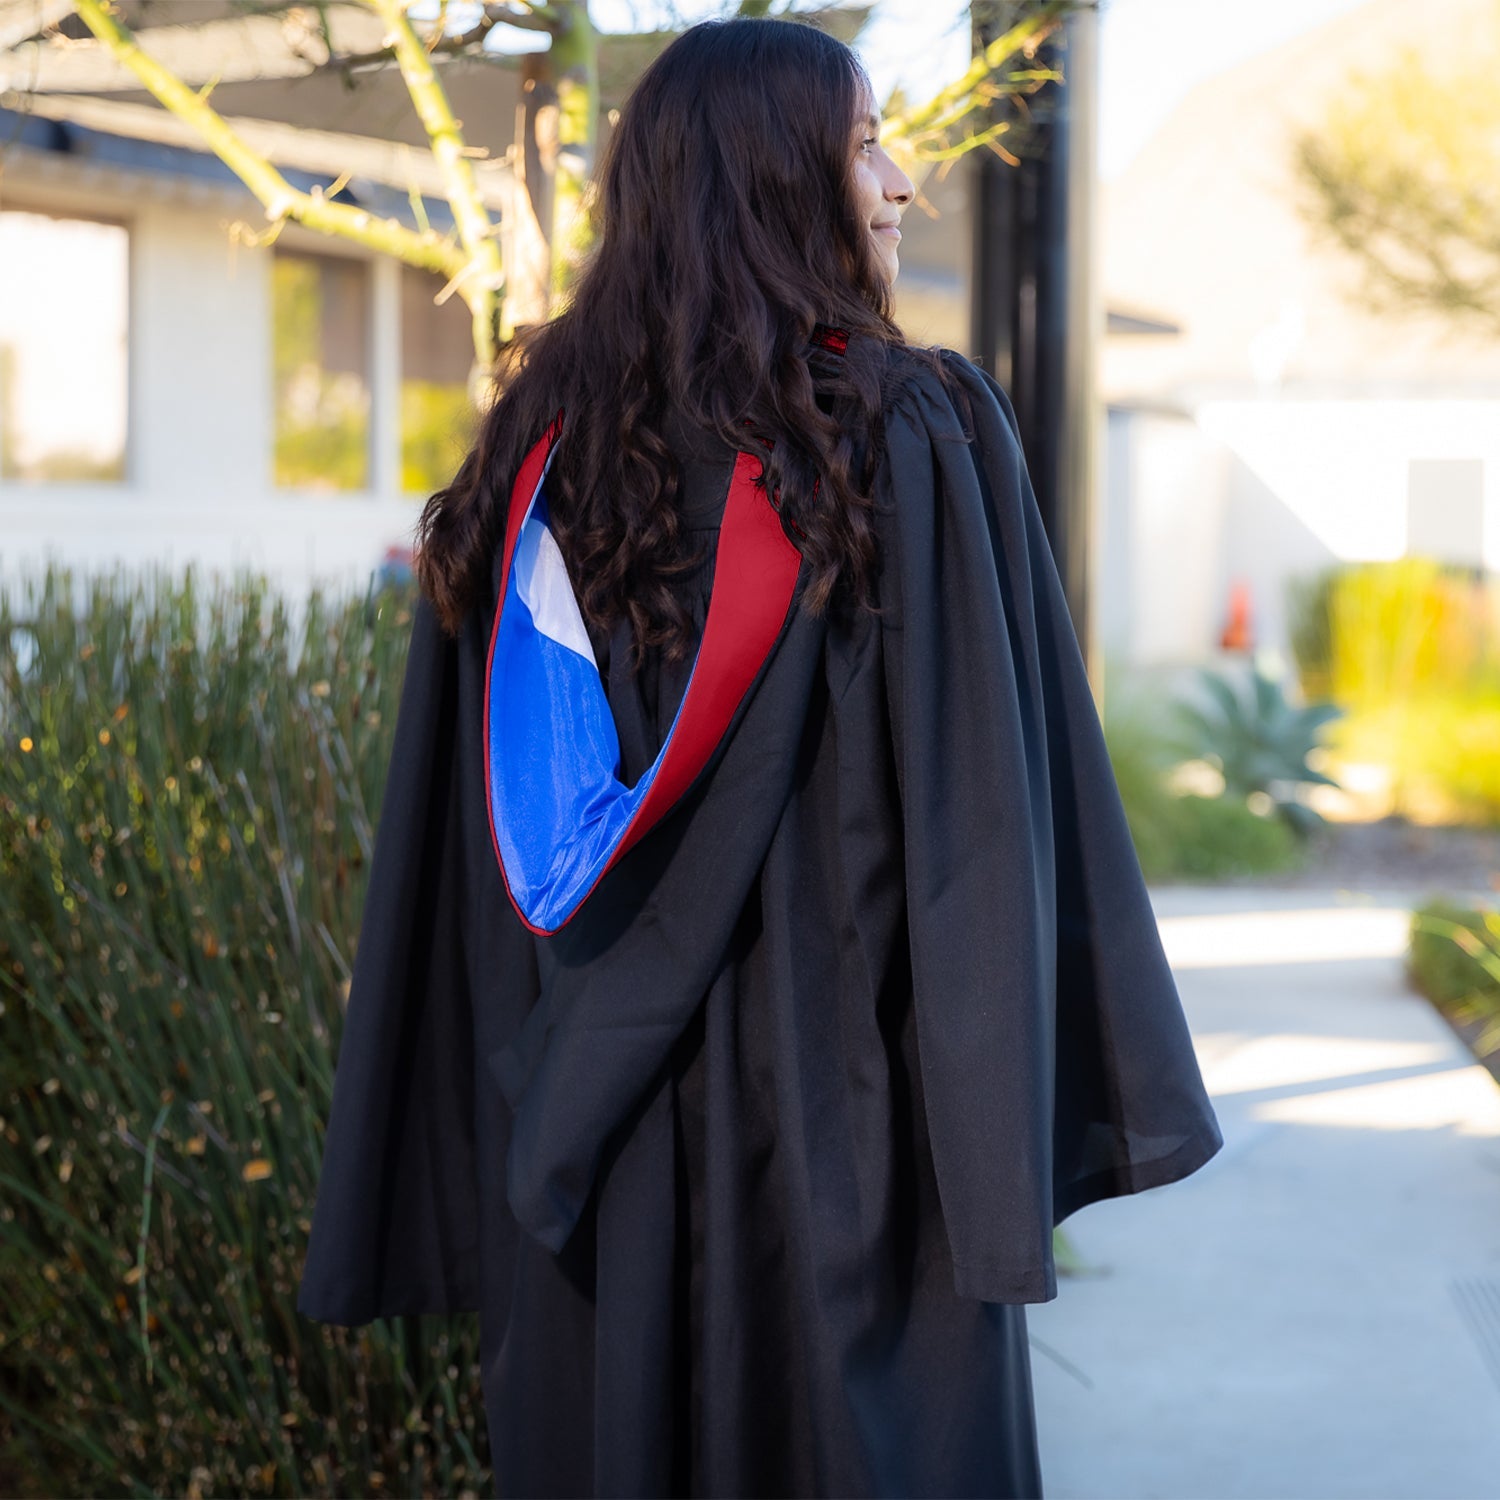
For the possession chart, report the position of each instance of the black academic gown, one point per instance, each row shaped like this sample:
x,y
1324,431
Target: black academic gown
x,y
750,1169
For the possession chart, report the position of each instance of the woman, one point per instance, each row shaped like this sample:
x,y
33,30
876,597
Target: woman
x,y
756,965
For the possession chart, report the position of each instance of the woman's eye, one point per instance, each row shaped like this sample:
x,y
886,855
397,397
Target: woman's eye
x,y
869,141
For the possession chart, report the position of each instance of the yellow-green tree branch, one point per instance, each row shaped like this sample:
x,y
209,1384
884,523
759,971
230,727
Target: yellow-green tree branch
x,y
484,282
978,85
430,251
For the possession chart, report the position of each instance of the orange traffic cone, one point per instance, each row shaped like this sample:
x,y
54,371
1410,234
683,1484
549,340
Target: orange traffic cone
x,y
1238,634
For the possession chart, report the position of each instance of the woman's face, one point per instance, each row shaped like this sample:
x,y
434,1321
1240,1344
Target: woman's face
x,y
881,189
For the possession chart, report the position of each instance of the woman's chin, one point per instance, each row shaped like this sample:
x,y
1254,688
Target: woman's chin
x,y
884,264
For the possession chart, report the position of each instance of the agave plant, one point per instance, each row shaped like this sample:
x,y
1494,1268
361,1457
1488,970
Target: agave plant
x,y
1259,741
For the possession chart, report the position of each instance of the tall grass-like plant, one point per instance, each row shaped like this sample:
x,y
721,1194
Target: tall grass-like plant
x,y
1405,629
1310,629
1371,633
189,782
1411,649
1454,959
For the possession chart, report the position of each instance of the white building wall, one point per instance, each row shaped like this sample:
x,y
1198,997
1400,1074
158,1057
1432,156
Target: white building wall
x,y
1270,489
1174,475
200,369
200,431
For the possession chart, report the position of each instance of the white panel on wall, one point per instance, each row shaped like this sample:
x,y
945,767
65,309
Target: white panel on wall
x,y
1445,509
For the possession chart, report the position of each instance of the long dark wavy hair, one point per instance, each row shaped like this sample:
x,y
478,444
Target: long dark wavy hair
x,y
725,235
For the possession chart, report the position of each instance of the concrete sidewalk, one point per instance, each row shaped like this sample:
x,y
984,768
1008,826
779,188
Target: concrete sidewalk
x,y
1316,1312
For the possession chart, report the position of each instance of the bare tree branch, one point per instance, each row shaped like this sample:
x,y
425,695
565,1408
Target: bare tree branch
x,y
467,43
484,274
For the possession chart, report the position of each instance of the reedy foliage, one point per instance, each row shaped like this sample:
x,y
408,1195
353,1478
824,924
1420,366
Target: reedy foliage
x,y
188,791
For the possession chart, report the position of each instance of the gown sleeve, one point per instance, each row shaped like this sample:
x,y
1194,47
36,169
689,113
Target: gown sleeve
x,y
396,1225
1056,1059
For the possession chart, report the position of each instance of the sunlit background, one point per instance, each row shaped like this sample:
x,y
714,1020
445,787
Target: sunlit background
x,y
1285,545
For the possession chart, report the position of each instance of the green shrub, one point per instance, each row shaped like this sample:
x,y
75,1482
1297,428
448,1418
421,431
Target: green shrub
x,y
1409,628
1367,632
1179,837
1453,958
1411,650
1440,751
188,788
1219,836
1141,758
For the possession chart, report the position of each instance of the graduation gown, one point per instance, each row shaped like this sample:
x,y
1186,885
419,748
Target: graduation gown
x,y
751,1167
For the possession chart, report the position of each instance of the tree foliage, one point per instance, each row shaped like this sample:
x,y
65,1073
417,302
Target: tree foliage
x,y
1404,175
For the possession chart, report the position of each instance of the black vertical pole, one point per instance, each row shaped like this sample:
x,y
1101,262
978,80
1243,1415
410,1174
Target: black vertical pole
x,y
1035,315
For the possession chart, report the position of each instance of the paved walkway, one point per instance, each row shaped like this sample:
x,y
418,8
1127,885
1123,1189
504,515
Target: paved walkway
x,y
1316,1312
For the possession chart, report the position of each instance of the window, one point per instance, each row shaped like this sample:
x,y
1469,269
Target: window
x,y
64,298
438,425
321,368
